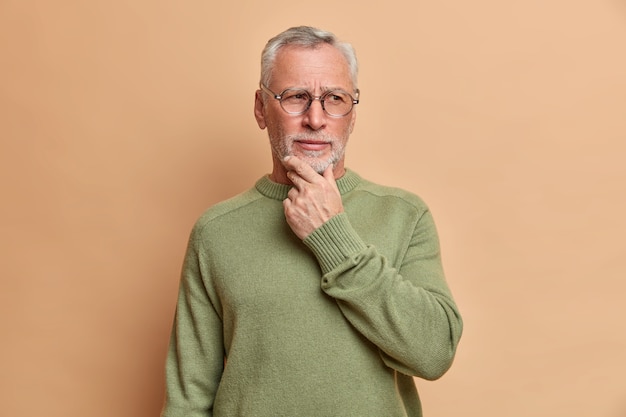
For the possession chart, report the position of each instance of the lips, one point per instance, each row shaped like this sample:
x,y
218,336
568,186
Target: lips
x,y
312,145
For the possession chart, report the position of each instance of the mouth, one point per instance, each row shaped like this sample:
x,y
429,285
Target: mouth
x,y
312,145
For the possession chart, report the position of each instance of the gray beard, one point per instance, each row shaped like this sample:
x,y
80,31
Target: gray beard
x,y
285,148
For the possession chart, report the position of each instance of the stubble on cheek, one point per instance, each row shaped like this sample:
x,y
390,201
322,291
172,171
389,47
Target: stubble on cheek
x,y
283,145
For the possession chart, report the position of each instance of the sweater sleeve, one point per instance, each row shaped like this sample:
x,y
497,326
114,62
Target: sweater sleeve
x,y
195,359
408,313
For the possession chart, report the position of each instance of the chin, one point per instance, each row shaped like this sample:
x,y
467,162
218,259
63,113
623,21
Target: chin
x,y
317,165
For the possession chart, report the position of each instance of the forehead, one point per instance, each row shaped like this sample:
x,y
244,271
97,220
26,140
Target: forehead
x,y
317,67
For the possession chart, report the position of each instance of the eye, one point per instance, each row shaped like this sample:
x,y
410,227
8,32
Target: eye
x,y
336,98
296,96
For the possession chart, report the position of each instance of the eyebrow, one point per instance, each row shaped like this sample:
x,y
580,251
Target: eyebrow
x,y
324,89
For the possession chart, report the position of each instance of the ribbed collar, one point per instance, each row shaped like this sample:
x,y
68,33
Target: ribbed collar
x,y
278,191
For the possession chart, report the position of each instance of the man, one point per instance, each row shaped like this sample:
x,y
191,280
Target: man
x,y
316,292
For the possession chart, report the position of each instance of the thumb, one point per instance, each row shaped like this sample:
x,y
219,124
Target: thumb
x,y
329,173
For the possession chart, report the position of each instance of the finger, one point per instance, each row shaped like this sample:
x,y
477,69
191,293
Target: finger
x,y
304,170
329,175
295,179
292,194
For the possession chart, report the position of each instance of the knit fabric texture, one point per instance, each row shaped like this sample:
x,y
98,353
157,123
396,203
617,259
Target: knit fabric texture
x,y
268,325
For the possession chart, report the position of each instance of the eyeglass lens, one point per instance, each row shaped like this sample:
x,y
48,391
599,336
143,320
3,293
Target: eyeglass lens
x,y
335,103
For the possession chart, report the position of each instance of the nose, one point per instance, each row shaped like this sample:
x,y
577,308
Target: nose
x,y
315,116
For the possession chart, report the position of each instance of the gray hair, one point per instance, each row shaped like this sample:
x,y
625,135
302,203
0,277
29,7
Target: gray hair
x,y
309,37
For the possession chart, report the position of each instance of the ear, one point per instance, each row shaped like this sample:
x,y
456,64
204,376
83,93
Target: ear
x,y
259,109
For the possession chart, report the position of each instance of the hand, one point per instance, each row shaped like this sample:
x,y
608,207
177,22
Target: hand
x,y
314,198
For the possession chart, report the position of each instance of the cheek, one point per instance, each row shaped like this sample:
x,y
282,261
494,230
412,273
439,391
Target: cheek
x,y
283,124
346,129
274,128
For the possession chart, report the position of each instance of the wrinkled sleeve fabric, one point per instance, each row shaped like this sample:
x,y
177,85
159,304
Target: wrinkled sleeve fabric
x,y
407,312
195,359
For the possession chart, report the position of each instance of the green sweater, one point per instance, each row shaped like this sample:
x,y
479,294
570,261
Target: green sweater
x,y
335,325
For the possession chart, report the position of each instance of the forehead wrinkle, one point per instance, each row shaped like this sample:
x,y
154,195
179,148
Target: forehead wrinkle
x,y
319,70
323,89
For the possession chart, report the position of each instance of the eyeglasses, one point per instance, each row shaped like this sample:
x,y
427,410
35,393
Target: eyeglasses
x,y
336,103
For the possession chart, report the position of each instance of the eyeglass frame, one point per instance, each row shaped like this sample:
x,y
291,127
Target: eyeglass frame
x,y
321,98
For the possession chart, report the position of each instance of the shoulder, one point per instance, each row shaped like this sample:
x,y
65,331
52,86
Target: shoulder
x,y
392,194
225,211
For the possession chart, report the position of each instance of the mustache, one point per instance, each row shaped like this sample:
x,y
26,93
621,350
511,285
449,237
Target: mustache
x,y
317,136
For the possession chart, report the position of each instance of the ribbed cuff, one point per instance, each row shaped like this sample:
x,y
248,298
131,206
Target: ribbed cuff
x,y
334,242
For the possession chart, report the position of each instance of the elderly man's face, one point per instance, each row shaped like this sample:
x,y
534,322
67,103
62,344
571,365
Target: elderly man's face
x,y
315,137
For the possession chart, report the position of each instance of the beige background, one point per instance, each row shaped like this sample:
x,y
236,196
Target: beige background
x,y
121,121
